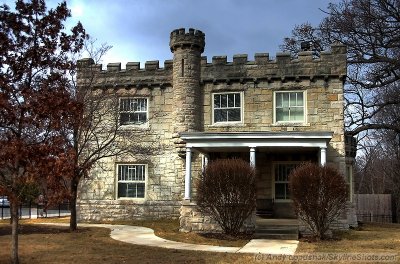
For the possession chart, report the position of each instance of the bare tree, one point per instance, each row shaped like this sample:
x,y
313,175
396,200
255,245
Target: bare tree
x,y
370,29
378,166
97,130
34,100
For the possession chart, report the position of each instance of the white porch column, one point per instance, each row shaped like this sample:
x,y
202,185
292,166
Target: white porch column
x,y
188,173
322,156
253,157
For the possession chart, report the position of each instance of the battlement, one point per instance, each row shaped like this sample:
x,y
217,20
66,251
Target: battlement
x,y
337,52
179,38
150,66
281,58
330,64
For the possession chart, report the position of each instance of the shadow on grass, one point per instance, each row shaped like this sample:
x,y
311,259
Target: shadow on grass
x,y
29,229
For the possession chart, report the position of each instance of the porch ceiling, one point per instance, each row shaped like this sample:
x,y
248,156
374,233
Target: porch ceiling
x,y
237,141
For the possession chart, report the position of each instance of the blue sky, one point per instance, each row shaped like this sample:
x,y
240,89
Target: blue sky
x,y
139,30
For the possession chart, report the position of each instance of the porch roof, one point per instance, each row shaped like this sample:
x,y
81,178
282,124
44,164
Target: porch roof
x,y
205,140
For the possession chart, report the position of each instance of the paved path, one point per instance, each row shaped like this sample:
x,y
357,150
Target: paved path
x,y
145,236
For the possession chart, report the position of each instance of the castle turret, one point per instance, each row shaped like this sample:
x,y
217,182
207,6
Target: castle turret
x,y
187,48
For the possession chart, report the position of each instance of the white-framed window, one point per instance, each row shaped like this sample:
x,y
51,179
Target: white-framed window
x,y
290,106
133,111
131,180
227,107
281,180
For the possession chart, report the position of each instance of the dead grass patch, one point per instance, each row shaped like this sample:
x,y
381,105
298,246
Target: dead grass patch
x,y
368,238
56,244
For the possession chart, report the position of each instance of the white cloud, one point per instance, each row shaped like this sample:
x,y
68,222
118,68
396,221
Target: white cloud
x,y
77,9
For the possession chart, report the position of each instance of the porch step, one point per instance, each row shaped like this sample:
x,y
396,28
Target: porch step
x,y
277,232
276,228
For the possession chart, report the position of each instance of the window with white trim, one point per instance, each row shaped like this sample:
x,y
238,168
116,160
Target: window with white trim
x,y
282,172
290,106
132,111
227,107
131,180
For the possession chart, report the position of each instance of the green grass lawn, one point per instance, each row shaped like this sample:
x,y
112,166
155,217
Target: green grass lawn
x,y
55,244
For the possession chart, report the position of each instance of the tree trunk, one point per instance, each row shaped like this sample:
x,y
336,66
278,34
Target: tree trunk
x,y
14,232
74,192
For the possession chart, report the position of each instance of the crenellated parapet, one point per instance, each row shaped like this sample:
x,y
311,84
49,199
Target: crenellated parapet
x,y
193,39
330,64
132,76
187,46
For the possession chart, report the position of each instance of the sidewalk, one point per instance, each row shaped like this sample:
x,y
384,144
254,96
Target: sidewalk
x,y
146,237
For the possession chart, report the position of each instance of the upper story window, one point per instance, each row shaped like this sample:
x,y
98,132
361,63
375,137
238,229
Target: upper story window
x,y
227,107
290,106
131,180
132,111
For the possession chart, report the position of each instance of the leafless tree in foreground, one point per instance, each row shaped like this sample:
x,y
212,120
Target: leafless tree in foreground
x,y
34,97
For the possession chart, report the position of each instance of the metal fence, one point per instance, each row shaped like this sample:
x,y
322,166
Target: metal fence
x,y
370,217
374,207
34,211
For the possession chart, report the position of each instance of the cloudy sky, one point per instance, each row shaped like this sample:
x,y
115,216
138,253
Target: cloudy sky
x,y
139,30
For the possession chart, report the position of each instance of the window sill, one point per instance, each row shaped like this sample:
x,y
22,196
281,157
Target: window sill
x,y
283,201
292,124
227,124
132,200
135,127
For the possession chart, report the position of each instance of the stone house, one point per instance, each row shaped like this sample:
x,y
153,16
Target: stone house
x,y
275,113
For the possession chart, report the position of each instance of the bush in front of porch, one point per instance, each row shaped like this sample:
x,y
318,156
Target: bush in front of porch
x,y
227,192
319,195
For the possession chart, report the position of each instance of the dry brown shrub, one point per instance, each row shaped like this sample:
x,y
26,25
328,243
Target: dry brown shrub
x,y
319,196
226,191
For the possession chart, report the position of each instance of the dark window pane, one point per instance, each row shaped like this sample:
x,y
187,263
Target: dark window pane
x,y
217,103
123,118
224,100
220,115
140,190
126,190
234,115
141,117
131,190
231,100
280,190
237,100
287,192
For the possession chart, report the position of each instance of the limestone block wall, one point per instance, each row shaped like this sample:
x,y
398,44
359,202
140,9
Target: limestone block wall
x,y
180,100
153,146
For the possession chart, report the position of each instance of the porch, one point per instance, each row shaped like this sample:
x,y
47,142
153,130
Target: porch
x,y
273,155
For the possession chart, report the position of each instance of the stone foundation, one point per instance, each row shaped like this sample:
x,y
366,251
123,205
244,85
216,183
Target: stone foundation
x,y
111,210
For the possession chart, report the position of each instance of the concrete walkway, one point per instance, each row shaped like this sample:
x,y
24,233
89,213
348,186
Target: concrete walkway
x,y
145,236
